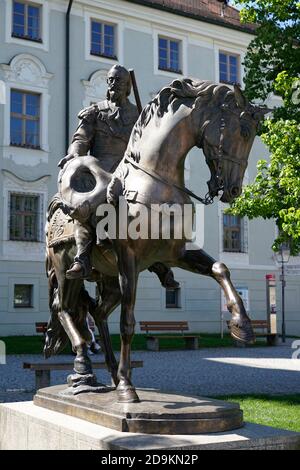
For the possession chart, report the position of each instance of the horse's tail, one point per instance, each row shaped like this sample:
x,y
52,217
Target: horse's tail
x,y
56,337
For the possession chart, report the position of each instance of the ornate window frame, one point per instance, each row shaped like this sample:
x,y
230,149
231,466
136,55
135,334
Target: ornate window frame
x,y
27,73
24,250
95,87
45,15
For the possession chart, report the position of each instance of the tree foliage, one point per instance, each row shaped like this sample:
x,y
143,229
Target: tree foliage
x,y
272,66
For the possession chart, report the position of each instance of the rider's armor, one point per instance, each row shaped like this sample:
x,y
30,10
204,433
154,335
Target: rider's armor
x,y
104,131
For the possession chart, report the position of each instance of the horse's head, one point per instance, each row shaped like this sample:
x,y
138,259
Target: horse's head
x,y
226,139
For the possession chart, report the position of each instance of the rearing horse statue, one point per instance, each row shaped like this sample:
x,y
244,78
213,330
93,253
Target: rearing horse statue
x,y
184,115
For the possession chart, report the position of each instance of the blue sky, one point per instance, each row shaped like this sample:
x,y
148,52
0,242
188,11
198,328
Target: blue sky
x,y
231,2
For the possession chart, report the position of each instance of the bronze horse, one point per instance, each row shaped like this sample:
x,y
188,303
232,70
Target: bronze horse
x,y
183,115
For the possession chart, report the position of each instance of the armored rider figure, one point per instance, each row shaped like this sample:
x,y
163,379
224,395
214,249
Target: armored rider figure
x,y
104,130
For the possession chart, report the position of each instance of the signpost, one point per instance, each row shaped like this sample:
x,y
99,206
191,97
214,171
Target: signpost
x,y
271,303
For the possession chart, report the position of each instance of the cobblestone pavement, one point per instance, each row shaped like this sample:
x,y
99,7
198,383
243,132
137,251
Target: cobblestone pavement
x,y
203,372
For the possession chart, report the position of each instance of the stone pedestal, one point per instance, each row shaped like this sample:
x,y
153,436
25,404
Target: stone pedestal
x,y
157,412
26,426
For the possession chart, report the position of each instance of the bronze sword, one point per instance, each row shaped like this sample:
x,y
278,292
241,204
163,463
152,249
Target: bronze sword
x,y
135,90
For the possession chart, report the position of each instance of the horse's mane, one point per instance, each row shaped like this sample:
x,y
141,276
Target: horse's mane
x,y
175,94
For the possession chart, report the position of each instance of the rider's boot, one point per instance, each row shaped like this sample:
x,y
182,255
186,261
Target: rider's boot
x,y
84,237
165,275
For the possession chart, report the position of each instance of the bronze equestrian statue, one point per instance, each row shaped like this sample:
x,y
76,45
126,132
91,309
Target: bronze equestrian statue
x,y
183,115
104,130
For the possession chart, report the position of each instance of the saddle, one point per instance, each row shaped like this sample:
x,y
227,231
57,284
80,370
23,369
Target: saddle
x,y
60,229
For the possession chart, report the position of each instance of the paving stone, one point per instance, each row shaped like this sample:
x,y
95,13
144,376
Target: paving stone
x,y
206,372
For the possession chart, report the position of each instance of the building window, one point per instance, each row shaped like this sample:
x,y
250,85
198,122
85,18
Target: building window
x,y
229,68
103,39
24,215
26,22
173,298
233,234
23,296
169,55
25,119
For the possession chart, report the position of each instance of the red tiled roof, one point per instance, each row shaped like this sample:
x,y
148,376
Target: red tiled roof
x,y
212,11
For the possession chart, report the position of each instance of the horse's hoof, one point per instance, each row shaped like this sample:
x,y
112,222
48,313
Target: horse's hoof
x,y
242,331
84,384
127,395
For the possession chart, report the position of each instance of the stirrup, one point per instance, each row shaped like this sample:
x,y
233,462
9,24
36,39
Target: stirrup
x,y
82,274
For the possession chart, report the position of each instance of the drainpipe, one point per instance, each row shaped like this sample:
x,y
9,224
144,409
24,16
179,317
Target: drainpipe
x,y
67,84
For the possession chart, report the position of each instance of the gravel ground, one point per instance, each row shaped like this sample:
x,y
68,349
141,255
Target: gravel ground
x,y
203,372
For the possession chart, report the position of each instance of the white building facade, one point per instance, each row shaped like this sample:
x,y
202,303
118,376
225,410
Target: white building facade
x,y
160,43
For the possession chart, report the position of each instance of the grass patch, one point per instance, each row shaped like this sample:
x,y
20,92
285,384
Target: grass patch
x,y
35,344
278,411
26,345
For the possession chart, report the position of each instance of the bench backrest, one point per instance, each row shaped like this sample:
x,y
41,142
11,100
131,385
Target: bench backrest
x,y
259,323
164,326
41,327
69,365
263,324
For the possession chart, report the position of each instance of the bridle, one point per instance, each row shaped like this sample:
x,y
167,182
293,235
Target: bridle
x,y
220,157
208,198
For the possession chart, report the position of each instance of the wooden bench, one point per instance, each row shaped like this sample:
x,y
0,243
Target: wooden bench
x,y
41,327
263,331
152,341
43,370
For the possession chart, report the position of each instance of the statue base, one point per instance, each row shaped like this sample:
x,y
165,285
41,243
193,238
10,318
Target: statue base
x,y
24,426
157,412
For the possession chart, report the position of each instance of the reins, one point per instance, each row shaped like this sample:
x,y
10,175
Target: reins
x,y
206,200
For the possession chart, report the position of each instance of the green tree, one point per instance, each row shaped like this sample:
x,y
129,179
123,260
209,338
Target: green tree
x,y
272,65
